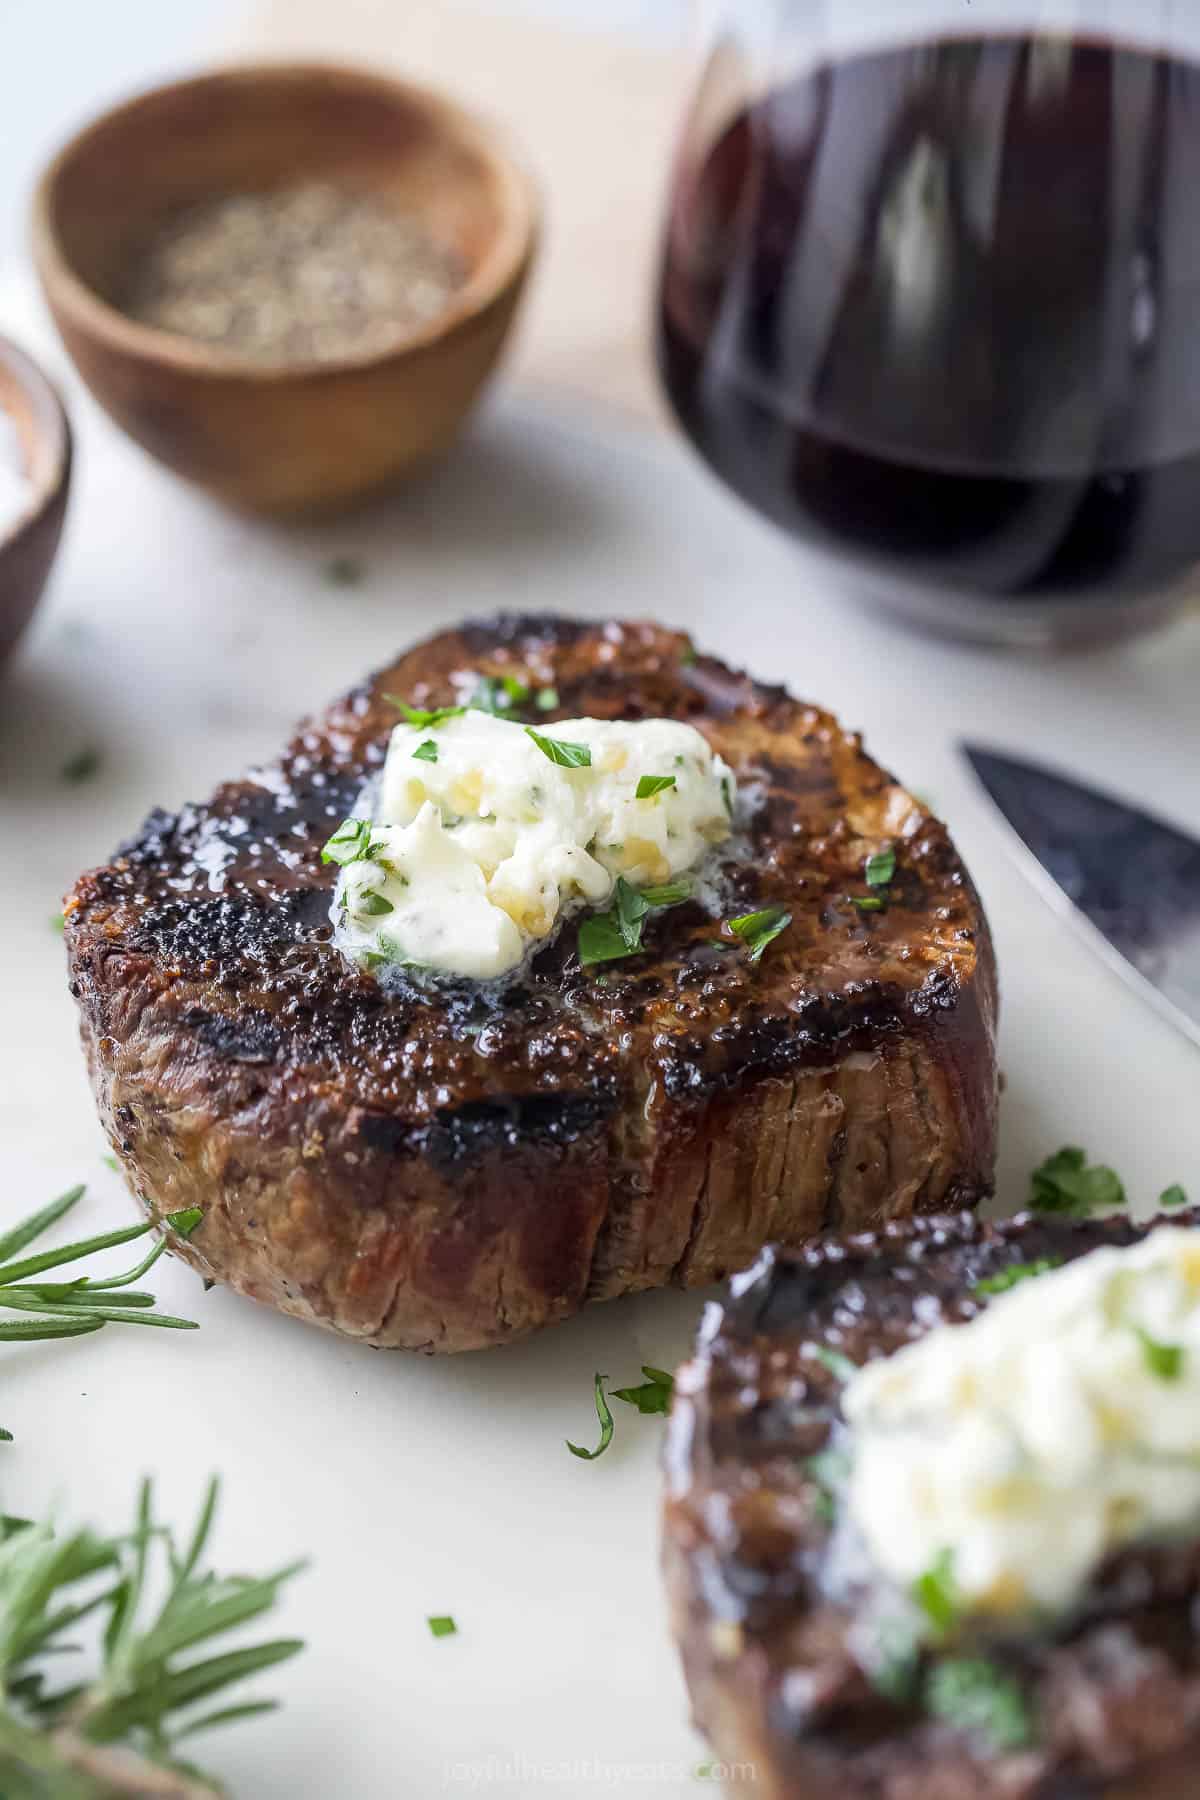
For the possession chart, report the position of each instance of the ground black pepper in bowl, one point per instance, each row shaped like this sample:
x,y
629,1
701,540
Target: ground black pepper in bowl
x,y
306,274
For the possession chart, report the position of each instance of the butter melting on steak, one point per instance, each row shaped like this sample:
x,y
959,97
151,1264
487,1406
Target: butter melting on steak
x,y
442,1168
773,1648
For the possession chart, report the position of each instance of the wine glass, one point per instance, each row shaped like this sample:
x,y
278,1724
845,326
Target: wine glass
x,y
931,300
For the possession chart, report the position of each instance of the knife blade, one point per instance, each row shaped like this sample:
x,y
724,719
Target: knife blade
x,y
1130,881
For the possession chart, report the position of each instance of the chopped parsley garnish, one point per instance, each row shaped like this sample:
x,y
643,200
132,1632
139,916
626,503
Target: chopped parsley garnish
x,y
82,766
1173,1196
441,1625
498,694
936,1593
1066,1183
880,868
546,699
1163,1360
1014,1274
837,1364
654,1394
419,718
600,940
350,843
607,936
973,1694
758,929
567,756
373,905
649,785
867,902
669,894
344,571
604,1414
426,752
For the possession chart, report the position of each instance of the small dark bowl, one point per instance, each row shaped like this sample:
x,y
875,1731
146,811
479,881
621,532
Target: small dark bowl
x,y
28,543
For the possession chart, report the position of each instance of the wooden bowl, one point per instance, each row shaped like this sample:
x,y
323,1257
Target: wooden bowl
x,y
28,543
302,436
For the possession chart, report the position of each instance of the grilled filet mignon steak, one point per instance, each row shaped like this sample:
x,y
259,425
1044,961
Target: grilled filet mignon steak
x,y
443,1169
1115,1694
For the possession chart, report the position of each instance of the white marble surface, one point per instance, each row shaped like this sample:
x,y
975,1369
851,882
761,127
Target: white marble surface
x,y
181,643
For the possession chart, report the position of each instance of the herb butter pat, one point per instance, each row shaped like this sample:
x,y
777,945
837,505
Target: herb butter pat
x,y
1021,1449
487,834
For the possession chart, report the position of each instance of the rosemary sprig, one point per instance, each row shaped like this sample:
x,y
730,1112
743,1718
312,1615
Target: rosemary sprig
x,y
145,1693
73,1308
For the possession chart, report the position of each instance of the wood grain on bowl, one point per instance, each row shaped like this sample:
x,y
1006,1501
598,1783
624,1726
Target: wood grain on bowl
x,y
301,436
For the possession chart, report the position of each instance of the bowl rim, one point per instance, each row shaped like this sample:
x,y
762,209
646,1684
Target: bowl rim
x,y
502,268
53,430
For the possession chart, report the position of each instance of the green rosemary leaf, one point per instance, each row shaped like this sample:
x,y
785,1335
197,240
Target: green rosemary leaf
x,y
114,1313
37,1222
867,902
182,1566
53,1259
604,1414
182,1687
228,1715
196,1612
72,1296
567,756
17,1331
181,1223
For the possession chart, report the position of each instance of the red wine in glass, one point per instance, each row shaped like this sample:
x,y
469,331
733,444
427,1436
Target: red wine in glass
x,y
935,309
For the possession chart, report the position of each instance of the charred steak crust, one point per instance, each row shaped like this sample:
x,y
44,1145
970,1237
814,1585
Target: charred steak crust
x,y
1115,1693
443,1170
